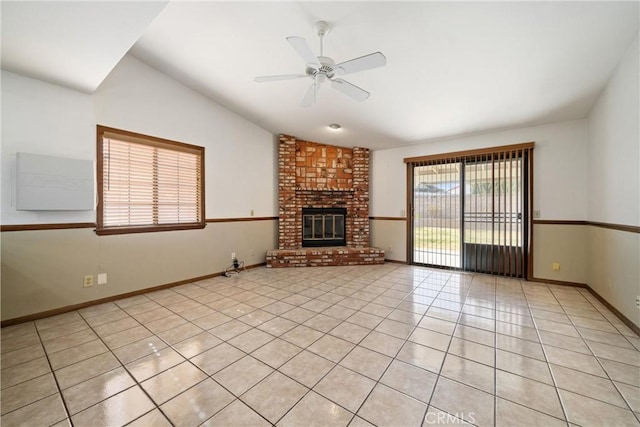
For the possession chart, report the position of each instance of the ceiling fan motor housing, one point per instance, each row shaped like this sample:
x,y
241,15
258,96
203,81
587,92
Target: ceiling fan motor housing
x,y
326,70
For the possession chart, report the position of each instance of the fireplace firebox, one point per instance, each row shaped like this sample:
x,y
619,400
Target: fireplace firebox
x,y
323,227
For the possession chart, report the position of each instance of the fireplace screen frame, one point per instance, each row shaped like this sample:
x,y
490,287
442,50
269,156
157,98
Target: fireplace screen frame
x,y
314,217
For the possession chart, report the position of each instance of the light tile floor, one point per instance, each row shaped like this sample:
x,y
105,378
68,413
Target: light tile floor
x,y
386,345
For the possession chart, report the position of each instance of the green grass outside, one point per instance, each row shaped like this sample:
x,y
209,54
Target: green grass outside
x,y
449,238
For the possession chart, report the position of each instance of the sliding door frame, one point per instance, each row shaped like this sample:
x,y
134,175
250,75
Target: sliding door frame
x,y
527,159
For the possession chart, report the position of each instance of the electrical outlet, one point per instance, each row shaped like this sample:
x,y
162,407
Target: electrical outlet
x,y
638,301
536,214
233,255
251,253
88,281
555,266
251,212
102,278
388,249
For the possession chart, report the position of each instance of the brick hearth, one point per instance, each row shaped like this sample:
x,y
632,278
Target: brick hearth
x,y
322,176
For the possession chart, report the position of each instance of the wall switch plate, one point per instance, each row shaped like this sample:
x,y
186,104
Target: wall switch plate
x,y
88,281
555,266
102,278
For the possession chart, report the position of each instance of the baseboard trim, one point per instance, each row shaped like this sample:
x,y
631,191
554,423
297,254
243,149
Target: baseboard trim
x,y
635,328
558,282
68,308
395,261
624,319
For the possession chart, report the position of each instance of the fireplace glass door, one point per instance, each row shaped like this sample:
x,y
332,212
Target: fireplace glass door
x,y
323,227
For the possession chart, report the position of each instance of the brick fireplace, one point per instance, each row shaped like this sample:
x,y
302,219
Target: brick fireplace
x,y
317,176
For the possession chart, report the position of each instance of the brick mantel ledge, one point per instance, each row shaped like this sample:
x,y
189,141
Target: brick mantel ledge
x,y
322,257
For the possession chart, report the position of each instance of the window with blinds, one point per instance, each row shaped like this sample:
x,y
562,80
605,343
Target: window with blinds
x,y
148,184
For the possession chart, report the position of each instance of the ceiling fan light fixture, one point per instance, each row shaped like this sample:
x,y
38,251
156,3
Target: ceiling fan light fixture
x,y
335,126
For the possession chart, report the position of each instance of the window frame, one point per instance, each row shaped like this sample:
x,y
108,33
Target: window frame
x,y
150,141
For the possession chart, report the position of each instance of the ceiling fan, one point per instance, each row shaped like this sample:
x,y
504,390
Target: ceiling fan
x,y
322,68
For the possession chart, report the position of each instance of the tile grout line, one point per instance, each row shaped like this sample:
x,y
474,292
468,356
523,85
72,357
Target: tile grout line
x,y
236,397
197,367
599,363
278,369
64,403
439,374
356,345
394,358
544,352
336,364
136,382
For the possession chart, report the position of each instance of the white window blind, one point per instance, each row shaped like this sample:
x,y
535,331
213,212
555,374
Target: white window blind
x,y
148,184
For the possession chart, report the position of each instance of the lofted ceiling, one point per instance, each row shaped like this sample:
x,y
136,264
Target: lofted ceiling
x,y
71,43
452,68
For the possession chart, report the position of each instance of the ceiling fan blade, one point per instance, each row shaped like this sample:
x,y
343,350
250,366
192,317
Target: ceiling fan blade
x,y
350,89
310,97
281,77
302,47
366,62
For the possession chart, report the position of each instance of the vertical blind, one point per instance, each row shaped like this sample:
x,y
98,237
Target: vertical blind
x,y
471,210
147,182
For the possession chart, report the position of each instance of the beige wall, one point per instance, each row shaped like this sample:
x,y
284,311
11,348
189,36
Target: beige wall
x,y
614,268
44,270
391,236
562,243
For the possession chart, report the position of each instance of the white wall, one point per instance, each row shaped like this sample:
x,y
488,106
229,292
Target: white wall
x,y
614,187
560,168
614,147
42,118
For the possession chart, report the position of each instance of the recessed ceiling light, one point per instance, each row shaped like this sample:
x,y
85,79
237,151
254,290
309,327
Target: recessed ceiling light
x,y
335,126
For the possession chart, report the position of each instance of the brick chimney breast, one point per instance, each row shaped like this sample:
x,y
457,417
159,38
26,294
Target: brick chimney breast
x,y
313,175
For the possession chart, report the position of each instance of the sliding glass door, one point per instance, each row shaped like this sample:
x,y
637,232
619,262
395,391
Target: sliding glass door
x,y
494,203
436,214
470,211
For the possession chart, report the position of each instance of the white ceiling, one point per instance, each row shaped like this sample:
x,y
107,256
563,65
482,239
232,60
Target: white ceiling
x,y
71,43
452,68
